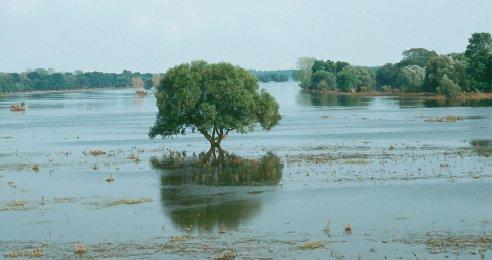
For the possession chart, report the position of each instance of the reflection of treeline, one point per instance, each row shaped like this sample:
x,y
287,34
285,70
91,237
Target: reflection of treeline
x,y
482,147
274,76
326,99
420,70
422,102
47,79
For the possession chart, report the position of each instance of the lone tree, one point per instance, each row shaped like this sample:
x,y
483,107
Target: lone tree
x,y
213,99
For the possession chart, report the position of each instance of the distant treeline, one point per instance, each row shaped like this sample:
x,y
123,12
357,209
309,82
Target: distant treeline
x,y
274,76
47,79
420,70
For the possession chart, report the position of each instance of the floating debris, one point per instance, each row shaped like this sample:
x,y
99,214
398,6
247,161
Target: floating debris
x,y
35,167
141,92
347,229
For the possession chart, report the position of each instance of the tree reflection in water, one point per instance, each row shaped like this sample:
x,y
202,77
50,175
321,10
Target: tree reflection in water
x,y
482,147
413,102
334,100
216,189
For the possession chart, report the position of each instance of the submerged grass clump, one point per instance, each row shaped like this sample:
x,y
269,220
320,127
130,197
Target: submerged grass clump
x,y
356,161
450,118
310,245
34,252
134,157
15,205
124,201
442,243
95,152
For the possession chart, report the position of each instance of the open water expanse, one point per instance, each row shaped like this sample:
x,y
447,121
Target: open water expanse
x,y
340,176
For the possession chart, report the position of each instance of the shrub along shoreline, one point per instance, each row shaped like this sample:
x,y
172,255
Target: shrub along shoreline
x,y
419,71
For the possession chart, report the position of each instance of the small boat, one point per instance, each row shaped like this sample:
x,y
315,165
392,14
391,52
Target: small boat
x,y
141,92
19,107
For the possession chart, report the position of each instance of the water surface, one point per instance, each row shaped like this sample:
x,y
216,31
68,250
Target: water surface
x,y
400,171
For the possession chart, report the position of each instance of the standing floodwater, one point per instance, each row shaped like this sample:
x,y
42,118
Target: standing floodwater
x,y
409,175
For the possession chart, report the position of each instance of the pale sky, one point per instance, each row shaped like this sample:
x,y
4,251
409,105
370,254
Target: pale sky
x,y
151,36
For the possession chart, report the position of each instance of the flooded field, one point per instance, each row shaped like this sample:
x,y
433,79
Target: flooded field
x,y
341,176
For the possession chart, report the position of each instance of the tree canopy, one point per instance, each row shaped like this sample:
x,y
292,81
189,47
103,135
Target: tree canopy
x,y
213,99
470,70
329,75
48,79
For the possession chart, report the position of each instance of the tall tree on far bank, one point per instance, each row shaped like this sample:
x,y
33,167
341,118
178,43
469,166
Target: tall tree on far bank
x,y
479,54
411,78
436,68
304,66
416,56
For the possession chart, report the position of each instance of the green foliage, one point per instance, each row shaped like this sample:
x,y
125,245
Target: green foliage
x,y
304,72
275,76
437,67
213,99
323,80
386,75
479,54
42,79
347,80
416,56
366,78
411,78
338,76
471,70
448,87
319,65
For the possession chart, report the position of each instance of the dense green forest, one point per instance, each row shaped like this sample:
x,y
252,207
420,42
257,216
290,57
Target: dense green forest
x,y
47,79
420,70
275,76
